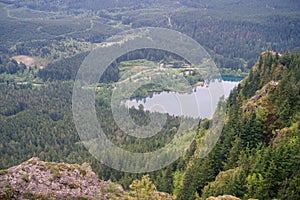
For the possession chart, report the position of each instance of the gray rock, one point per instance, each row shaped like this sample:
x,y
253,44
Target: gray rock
x,y
37,179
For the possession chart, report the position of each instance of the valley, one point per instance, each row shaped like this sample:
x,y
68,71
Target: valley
x,y
245,147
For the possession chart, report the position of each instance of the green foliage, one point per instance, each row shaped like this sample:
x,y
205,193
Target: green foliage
x,y
166,183
178,177
4,171
11,66
142,189
234,40
256,185
44,128
293,190
226,182
258,151
55,172
9,192
199,172
25,177
252,131
233,155
145,189
36,120
250,121
113,191
64,69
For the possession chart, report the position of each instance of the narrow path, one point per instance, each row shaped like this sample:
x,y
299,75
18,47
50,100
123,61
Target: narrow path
x,y
136,75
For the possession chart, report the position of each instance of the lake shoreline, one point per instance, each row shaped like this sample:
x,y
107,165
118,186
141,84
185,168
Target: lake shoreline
x,y
199,84
203,93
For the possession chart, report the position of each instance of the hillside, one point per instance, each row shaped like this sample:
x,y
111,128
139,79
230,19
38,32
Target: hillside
x,y
36,179
44,42
234,32
257,155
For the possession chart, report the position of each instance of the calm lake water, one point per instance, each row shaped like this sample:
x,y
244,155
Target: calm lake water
x,y
201,103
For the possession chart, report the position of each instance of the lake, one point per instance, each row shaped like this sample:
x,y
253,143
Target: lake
x,y
201,103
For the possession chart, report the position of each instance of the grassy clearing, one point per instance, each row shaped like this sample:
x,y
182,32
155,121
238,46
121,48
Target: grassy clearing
x,y
140,62
28,61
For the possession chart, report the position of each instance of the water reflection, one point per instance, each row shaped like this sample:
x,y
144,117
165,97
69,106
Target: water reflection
x,y
178,104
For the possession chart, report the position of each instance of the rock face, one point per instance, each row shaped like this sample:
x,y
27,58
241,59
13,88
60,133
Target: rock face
x,y
45,180
224,197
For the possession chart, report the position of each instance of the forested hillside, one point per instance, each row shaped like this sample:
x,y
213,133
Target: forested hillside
x,y
38,122
258,153
44,42
234,32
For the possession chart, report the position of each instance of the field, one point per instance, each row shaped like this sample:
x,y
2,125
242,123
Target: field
x,y
28,61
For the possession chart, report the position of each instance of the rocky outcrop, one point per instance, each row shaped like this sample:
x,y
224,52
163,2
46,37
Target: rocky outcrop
x,y
260,97
35,179
224,197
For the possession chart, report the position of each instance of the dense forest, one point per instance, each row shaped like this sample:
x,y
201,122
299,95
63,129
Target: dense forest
x,y
257,155
258,150
234,32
